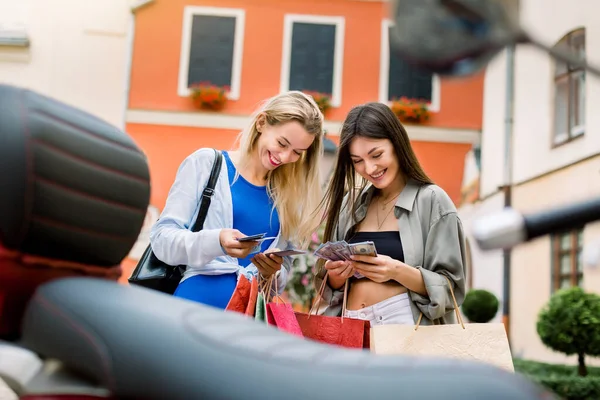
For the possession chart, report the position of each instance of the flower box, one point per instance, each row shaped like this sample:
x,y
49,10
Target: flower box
x,y
410,110
323,100
208,96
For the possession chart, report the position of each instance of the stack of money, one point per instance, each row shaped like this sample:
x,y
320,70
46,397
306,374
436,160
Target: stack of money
x,y
341,250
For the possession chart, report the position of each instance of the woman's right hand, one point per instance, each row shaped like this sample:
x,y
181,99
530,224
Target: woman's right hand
x,y
232,246
338,271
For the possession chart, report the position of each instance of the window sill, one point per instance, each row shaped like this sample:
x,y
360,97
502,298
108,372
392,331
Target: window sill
x,y
230,95
431,107
574,136
15,54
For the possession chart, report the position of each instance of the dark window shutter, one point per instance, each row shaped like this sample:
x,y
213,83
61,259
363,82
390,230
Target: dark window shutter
x,y
407,81
311,63
211,50
477,154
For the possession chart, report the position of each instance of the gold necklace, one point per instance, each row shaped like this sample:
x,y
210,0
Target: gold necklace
x,y
379,224
385,203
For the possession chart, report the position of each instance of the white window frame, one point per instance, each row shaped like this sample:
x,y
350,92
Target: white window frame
x,y
384,71
563,137
338,57
559,138
238,46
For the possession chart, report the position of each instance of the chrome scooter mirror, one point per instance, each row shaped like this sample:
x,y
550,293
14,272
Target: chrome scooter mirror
x,y
460,37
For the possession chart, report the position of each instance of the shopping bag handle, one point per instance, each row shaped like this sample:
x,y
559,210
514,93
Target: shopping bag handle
x,y
265,286
317,302
456,308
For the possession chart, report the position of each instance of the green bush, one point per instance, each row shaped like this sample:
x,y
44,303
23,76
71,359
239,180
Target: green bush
x,y
480,306
563,380
570,324
573,387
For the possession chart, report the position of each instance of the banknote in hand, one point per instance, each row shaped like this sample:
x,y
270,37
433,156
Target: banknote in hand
x,y
338,251
327,252
363,249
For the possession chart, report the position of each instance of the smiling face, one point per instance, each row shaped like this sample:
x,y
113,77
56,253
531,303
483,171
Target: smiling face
x,y
375,160
281,144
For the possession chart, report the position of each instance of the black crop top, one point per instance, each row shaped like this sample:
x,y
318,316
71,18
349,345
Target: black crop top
x,y
387,243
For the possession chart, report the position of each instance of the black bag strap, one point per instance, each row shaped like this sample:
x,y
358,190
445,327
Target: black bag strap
x,y
209,190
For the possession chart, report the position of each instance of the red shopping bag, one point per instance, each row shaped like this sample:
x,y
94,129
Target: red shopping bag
x,y
282,316
346,332
251,308
339,331
243,299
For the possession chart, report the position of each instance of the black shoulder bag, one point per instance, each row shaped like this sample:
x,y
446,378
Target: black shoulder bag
x,y
154,274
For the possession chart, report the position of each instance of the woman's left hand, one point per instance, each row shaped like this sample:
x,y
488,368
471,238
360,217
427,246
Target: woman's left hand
x,y
267,264
378,269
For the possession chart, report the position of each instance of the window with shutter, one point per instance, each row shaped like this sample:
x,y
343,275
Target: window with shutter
x,y
312,55
567,260
311,61
211,48
400,79
569,91
407,81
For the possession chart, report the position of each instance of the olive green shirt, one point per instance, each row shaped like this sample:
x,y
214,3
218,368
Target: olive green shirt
x,y
432,240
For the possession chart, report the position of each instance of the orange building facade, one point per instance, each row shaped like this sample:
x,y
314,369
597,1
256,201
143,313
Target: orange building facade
x,y
260,48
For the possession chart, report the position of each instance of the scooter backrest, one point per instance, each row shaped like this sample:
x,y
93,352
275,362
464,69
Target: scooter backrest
x,y
72,187
74,191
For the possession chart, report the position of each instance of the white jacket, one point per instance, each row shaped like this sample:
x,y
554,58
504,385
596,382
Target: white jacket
x,y
173,242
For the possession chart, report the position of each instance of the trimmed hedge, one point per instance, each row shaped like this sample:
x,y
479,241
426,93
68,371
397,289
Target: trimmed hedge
x,y
480,306
570,324
562,379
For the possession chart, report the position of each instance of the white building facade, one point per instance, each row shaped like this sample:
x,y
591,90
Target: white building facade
x,y
556,160
74,51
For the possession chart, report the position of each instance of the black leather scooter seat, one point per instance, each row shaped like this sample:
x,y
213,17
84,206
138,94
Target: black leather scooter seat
x,y
147,345
72,186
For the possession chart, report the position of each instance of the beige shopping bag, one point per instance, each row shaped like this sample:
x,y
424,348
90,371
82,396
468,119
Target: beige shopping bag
x,y
485,343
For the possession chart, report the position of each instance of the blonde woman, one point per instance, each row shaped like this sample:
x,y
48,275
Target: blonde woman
x,y
269,184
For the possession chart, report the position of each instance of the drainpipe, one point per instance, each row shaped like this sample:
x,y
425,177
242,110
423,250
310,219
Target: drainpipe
x,y
128,62
508,174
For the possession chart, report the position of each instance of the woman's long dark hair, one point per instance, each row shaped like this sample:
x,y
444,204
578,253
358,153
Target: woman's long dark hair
x,y
373,121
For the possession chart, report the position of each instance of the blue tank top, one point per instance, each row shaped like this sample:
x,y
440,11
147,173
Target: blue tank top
x,y
252,213
253,210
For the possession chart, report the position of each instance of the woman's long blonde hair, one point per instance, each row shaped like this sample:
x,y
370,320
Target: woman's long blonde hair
x,y
295,187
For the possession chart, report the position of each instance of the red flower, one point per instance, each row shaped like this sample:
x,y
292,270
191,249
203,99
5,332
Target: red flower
x,y
323,100
410,110
209,96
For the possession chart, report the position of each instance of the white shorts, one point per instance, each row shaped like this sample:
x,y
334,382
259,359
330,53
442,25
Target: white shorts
x,y
395,310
